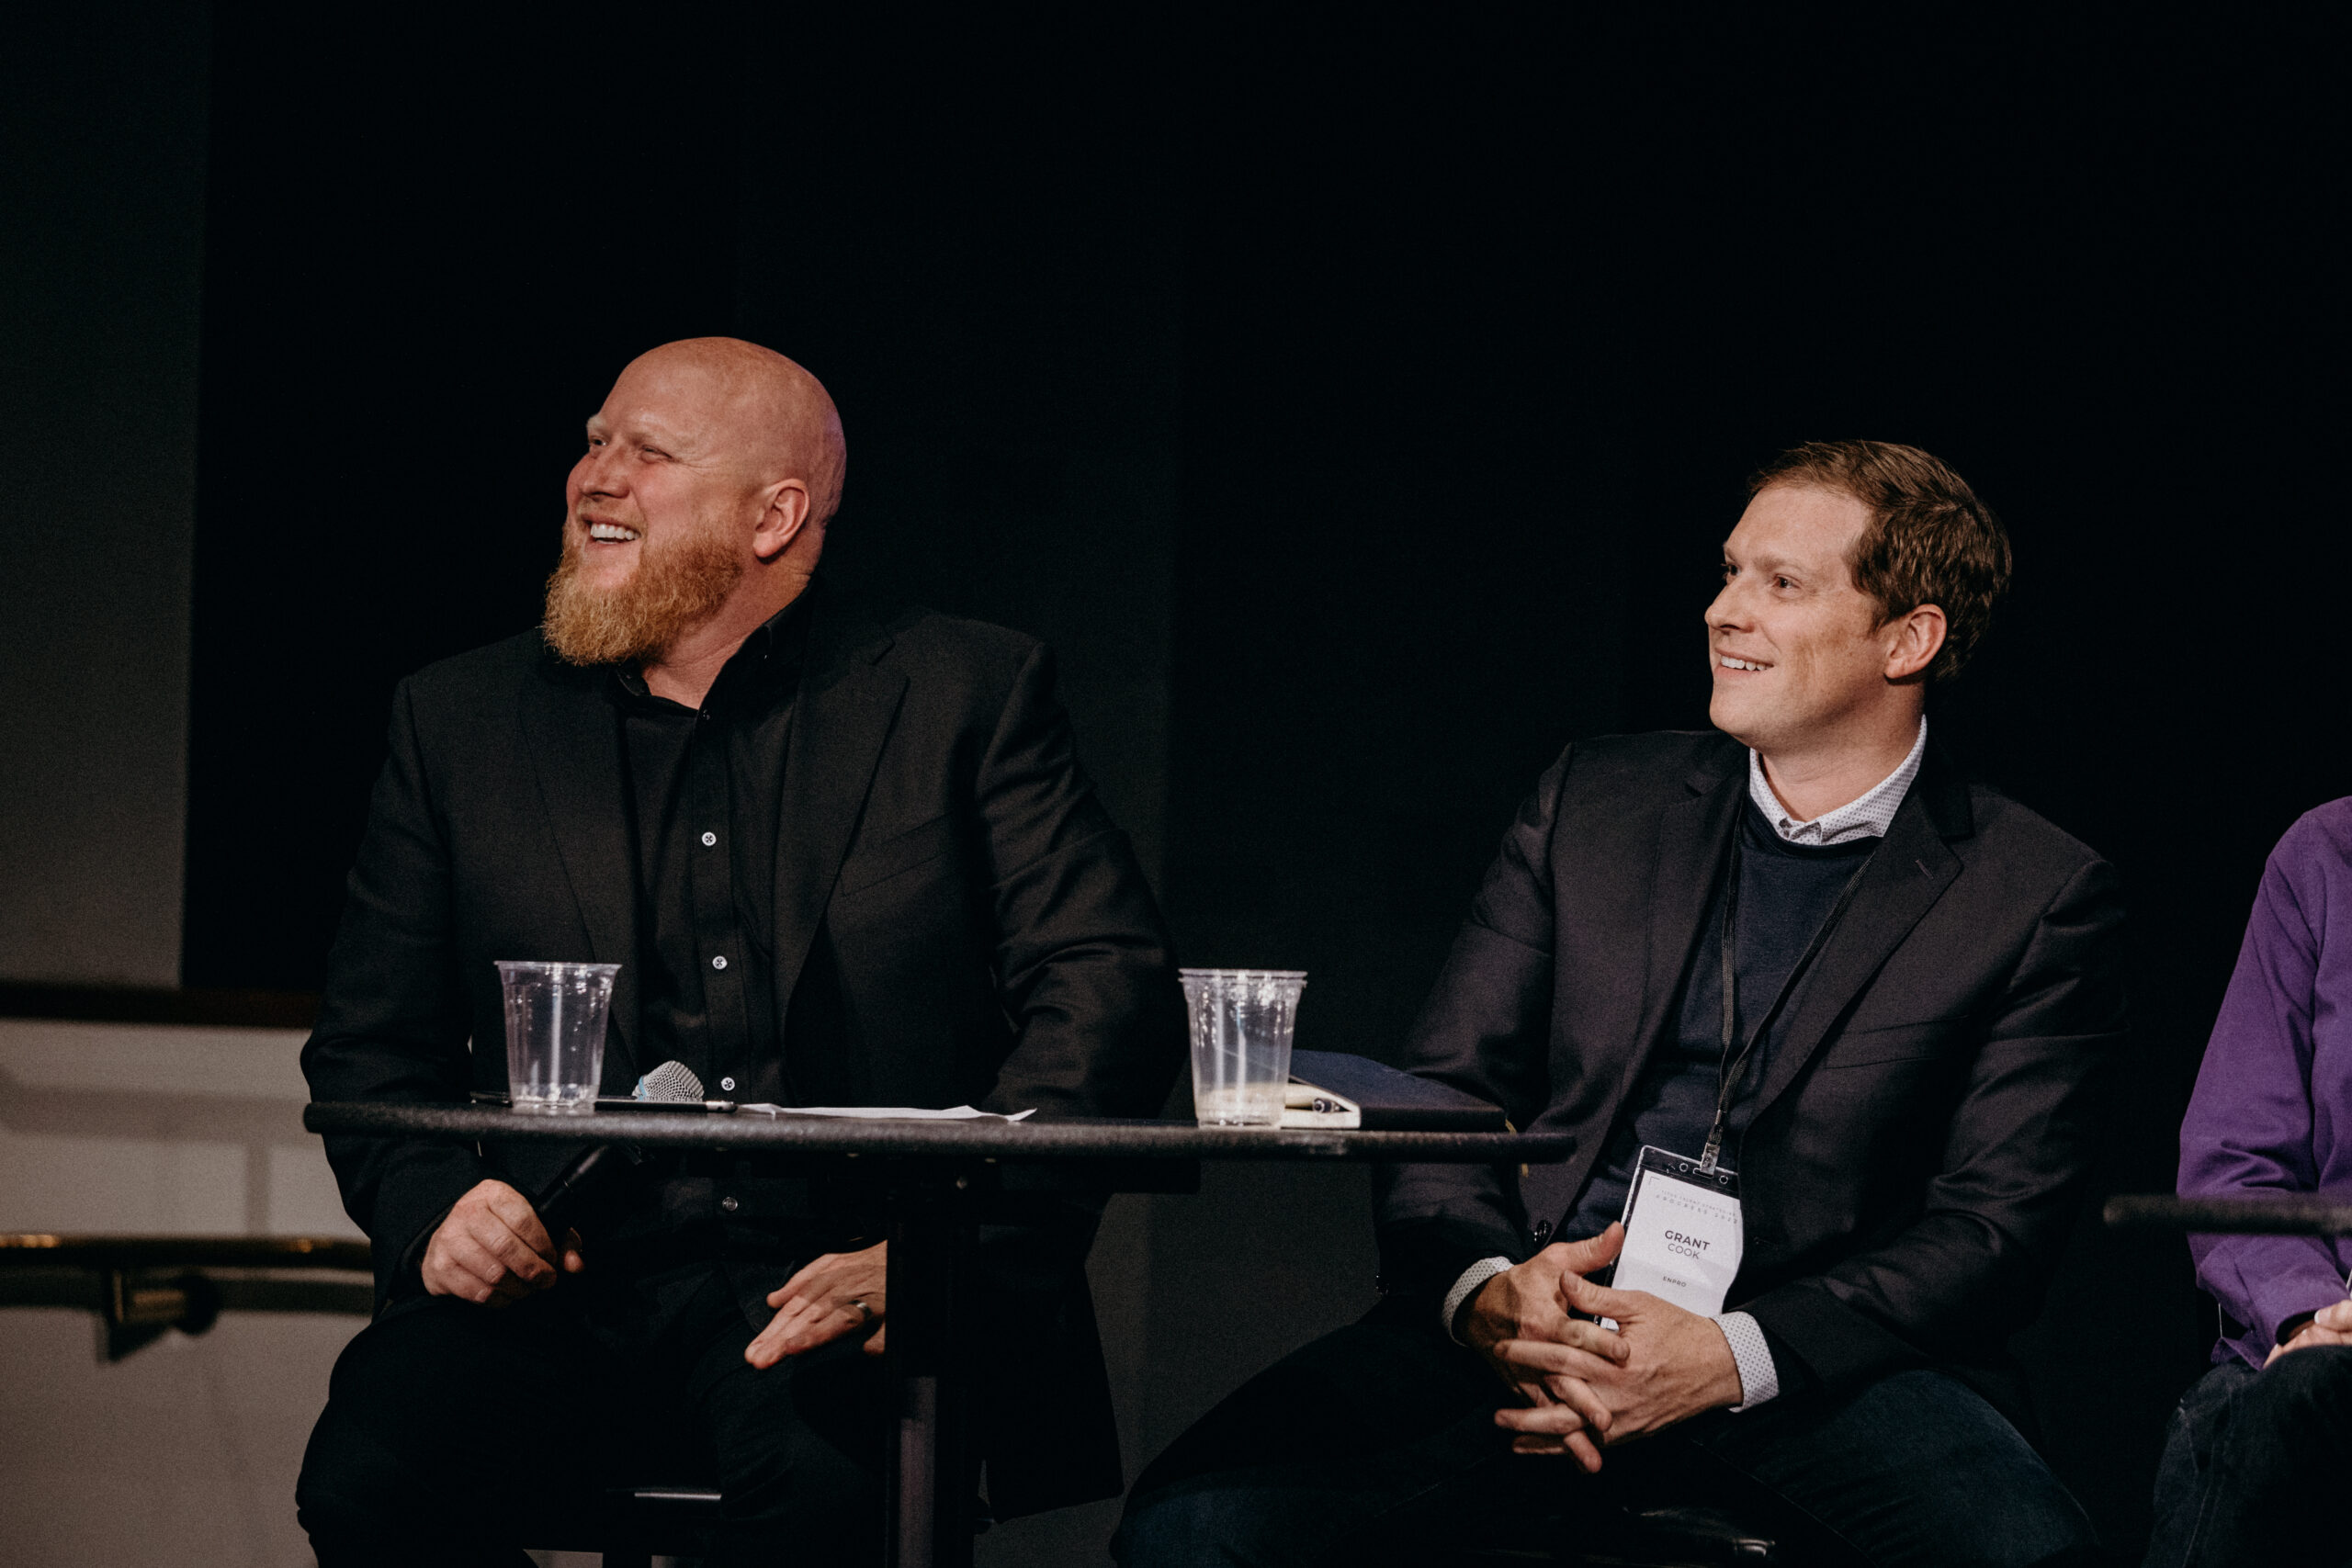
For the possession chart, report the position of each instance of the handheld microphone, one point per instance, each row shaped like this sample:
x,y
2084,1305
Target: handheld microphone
x,y
560,1198
671,1080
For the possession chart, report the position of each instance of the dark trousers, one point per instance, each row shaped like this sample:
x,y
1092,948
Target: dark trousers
x,y
2252,1464
1377,1443
459,1434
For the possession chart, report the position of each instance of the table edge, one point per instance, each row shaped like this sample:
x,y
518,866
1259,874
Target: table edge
x,y
1089,1139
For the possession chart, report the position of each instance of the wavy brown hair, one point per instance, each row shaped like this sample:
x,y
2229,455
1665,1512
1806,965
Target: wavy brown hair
x,y
1929,540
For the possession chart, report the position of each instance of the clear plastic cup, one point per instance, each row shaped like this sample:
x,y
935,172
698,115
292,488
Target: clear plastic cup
x,y
555,1034
1241,1022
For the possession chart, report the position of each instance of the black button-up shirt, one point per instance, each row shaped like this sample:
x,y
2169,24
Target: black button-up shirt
x,y
705,791
705,795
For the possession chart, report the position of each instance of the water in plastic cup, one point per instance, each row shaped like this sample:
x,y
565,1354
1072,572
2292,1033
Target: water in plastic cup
x,y
1241,1023
555,1034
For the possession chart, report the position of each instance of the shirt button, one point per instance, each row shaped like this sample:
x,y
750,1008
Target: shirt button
x,y
727,1083
708,840
729,1203
720,961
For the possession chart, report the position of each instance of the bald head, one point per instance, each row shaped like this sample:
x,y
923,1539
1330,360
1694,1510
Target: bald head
x,y
697,511
758,410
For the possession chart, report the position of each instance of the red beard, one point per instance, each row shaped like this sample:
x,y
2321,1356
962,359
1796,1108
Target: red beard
x,y
674,589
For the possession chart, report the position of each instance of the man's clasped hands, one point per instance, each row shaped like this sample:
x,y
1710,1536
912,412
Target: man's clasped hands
x,y
1586,1387
491,1250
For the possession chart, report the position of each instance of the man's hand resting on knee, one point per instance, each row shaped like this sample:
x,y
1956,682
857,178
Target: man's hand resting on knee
x,y
1669,1365
493,1250
2332,1325
841,1292
1525,1305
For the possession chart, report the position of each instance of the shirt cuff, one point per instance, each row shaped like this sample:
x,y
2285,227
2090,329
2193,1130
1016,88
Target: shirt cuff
x,y
1478,1274
1758,1379
2273,1282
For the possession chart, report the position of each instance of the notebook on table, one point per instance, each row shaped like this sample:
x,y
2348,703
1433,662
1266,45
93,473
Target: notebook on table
x,y
1330,1088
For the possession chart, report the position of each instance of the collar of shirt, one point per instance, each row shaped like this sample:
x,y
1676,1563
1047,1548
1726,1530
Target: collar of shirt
x,y
765,664
1865,818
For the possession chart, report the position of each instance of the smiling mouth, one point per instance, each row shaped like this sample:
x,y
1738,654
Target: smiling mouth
x,y
611,533
1729,662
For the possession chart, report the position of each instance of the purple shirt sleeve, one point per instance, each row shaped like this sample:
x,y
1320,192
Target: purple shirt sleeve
x,y
2271,1092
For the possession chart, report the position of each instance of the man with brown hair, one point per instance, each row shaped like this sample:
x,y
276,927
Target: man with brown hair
x,y
1829,1026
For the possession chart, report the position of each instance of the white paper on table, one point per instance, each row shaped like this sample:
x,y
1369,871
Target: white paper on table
x,y
887,1112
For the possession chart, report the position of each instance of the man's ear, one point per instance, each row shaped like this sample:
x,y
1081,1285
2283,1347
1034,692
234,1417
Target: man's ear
x,y
1918,637
781,519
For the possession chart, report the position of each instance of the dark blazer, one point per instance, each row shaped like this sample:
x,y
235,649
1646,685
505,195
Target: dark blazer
x,y
956,921
1934,1094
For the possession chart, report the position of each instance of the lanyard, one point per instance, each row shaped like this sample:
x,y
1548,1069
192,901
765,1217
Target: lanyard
x,y
1735,1054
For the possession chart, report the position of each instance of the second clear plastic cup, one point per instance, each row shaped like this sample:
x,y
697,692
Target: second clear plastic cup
x,y
1241,1024
555,1034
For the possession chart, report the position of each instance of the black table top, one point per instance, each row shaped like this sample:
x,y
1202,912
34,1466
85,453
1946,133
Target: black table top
x,y
1030,1140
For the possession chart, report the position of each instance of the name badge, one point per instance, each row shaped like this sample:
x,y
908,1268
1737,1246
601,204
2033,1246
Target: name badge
x,y
1683,1238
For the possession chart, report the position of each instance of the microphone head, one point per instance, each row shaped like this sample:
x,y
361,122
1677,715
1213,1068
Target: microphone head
x,y
671,1080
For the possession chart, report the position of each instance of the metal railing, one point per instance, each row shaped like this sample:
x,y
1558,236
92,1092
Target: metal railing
x,y
2287,1213
139,1286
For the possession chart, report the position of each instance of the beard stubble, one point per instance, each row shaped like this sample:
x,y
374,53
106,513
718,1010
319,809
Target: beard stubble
x,y
673,591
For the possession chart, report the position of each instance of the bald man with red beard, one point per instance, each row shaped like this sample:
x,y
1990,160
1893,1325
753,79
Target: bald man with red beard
x,y
844,855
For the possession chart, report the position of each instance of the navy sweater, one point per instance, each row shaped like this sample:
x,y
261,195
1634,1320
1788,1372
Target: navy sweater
x,y
1785,892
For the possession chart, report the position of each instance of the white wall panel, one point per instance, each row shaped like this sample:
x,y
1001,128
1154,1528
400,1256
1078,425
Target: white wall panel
x,y
186,1453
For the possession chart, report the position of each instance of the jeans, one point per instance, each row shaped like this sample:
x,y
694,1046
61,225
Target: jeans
x,y
2252,1462
1378,1443
455,1433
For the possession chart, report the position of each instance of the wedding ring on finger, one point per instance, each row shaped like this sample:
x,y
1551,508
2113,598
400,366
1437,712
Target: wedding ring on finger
x,y
865,1314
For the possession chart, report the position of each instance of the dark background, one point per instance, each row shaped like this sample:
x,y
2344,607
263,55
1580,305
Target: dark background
x,y
1358,404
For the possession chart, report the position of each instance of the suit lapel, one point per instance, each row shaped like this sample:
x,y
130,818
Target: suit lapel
x,y
838,725
1688,855
1905,876
576,750
1694,837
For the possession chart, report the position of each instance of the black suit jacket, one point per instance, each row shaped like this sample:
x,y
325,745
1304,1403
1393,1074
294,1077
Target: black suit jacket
x,y
956,921
1933,1100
